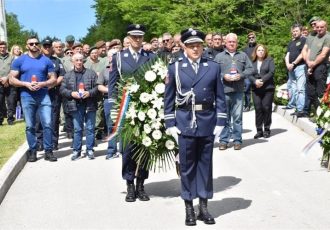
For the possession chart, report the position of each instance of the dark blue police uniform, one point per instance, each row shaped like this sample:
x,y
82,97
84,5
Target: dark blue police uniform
x,y
210,111
124,63
195,104
128,66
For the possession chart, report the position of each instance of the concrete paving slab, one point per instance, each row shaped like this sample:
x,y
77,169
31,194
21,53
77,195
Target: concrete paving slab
x,y
268,184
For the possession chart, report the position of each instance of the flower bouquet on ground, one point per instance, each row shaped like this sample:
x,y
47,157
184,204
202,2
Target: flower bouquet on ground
x,y
323,127
143,123
282,95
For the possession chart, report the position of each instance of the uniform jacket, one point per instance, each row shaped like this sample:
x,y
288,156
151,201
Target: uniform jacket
x,y
69,84
128,66
267,70
208,89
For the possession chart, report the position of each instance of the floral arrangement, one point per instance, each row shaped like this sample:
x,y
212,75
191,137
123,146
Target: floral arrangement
x,y
144,124
323,126
282,95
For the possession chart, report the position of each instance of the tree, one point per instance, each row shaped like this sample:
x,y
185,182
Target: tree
x,y
15,31
269,19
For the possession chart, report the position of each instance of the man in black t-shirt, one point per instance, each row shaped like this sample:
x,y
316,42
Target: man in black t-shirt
x,y
295,65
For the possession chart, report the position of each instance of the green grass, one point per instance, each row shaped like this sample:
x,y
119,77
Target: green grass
x,y
11,137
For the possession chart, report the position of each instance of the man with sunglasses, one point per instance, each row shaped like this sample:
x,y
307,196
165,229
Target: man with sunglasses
x,y
34,73
195,113
126,62
166,50
54,94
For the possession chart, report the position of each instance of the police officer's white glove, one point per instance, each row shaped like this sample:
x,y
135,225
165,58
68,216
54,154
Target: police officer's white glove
x,y
174,132
217,131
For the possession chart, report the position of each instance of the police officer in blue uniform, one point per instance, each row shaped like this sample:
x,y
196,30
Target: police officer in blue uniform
x,y
126,62
195,113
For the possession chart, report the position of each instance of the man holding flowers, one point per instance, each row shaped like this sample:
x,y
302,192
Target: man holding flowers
x,y
195,113
124,63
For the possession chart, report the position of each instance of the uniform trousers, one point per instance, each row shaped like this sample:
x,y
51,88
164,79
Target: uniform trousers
x,y
263,101
130,166
195,155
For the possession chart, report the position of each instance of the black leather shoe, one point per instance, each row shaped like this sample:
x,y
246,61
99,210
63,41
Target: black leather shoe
x,y
266,134
140,193
204,215
32,156
10,122
301,114
258,135
49,156
190,214
131,196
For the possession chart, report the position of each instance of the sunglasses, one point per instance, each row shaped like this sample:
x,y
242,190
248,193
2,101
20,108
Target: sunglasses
x,y
251,37
46,46
166,40
33,43
69,53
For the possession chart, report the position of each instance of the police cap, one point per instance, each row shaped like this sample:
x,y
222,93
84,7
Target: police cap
x,y
191,36
136,29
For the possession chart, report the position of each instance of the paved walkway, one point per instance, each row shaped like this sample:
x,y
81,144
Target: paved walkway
x,y
266,185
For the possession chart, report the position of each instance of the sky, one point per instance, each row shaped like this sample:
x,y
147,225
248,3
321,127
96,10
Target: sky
x,y
54,17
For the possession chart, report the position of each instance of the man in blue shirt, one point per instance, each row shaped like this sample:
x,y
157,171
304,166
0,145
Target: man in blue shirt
x,y
34,73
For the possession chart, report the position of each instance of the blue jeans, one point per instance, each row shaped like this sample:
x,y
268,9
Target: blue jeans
x,y
79,117
297,88
233,128
112,145
41,105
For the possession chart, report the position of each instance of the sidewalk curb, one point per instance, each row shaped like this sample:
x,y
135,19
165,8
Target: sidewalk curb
x,y
11,169
303,123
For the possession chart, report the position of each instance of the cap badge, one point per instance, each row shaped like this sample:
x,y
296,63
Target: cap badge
x,y
193,33
137,26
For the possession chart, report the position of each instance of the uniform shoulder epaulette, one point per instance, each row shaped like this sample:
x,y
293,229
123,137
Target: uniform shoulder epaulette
x,y
173,60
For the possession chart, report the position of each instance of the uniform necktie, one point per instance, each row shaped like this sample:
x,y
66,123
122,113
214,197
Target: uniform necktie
x,y
195,66
135,57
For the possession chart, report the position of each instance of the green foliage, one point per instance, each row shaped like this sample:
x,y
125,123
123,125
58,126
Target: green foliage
x,y
11,137
269,19
15,31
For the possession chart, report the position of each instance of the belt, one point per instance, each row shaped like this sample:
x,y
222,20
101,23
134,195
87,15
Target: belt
x,y
198,107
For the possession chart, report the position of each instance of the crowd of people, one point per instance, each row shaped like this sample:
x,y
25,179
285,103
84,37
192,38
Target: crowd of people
x,y
215,80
